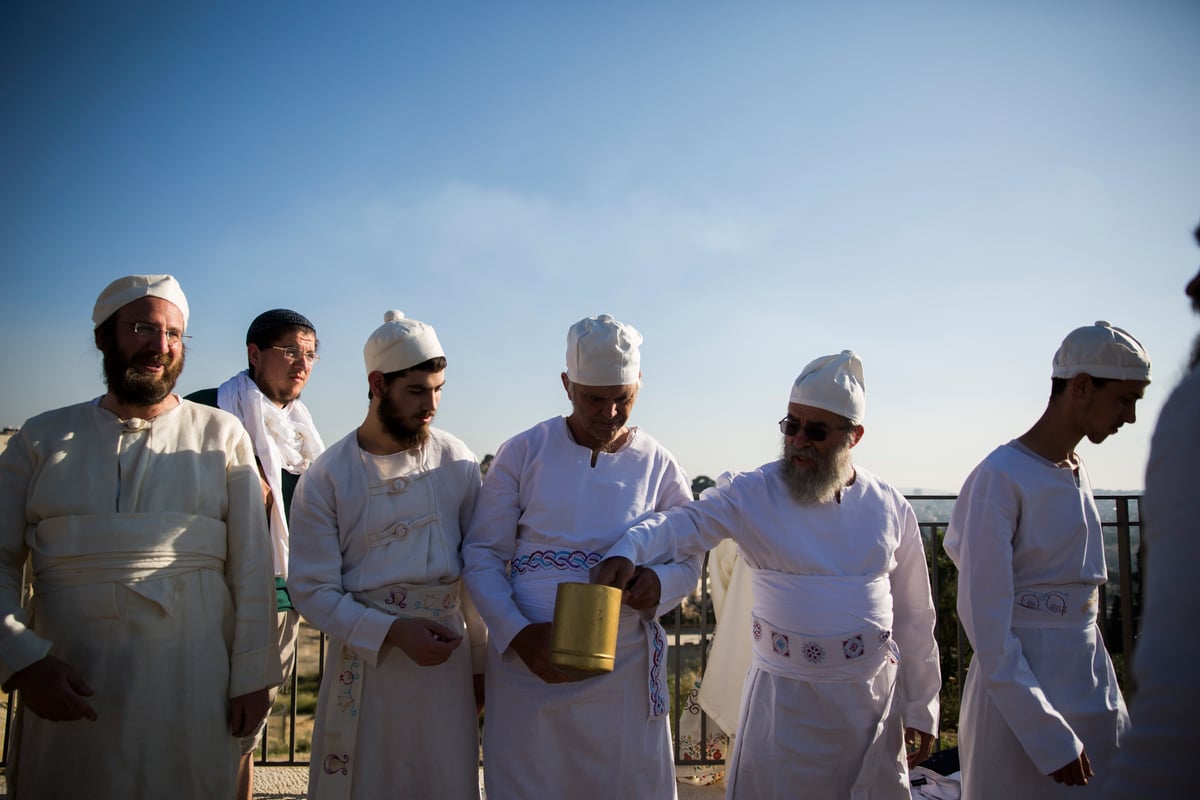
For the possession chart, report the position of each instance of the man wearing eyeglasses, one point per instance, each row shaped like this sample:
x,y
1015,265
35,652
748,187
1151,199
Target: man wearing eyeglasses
x,y
845,667
281,350
1041,709
145,652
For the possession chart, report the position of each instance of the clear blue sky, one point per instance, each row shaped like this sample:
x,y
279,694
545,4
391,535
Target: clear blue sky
x,y
945,187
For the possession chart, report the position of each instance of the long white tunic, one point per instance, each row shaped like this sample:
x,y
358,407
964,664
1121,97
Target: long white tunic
x,y
374,538
1040,689
845,655
151,571
1155,757
547,513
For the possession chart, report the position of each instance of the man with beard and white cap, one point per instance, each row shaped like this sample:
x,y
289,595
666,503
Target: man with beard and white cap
x,y
1153,758
1041,710
146,650
844,656
281,350
377,525
556,497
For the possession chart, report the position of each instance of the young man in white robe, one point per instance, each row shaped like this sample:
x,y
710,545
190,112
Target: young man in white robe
x,y
1041,710
146,651
281,351
845,667
1153,759
377,526
555,498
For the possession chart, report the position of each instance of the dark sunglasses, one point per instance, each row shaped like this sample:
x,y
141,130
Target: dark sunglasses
x,y
813,431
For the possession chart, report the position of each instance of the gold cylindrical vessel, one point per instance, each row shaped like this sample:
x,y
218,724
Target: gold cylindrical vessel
x,y
583,637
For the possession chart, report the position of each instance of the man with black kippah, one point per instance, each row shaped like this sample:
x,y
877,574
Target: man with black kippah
x,y
281,350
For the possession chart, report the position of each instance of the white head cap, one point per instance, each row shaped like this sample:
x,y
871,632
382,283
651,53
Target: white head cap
x,y
1101,351
400,343
833,383
603,352
125,290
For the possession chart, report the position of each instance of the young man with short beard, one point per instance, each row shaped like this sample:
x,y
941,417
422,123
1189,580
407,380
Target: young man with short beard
x,y
845,665
146,651
281,351
377,524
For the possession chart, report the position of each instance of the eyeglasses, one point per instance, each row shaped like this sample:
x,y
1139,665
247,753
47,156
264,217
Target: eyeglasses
x,y
144,330
813,431
294,354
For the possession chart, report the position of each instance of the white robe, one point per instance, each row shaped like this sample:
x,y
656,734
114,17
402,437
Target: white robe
x,y
356,533
284,439
729,658
152,577
711,712
549,514
1030,552
1155,757
827,571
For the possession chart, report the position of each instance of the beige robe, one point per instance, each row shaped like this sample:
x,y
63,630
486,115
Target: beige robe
x,y
152,577
374,538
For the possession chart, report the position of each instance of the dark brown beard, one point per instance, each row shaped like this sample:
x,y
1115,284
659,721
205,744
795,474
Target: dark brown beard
x,y
406,435
134,388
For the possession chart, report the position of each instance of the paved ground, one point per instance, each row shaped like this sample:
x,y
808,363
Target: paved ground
x,y
291,783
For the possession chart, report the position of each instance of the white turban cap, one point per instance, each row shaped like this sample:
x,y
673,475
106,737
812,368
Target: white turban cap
x,y
603,352
125,290
833,383
400,343
1102,351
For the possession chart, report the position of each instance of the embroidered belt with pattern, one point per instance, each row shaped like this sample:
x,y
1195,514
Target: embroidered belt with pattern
x,y
773,643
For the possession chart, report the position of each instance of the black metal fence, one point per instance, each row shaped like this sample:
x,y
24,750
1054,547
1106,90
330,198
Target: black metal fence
x,y
1120,611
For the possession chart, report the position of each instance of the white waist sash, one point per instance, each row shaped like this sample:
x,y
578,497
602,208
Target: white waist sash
x,y
340,731
788,605
1064,605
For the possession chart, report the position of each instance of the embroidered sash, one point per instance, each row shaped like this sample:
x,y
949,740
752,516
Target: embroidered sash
x,y
340,731
1068,605
535,573
785,606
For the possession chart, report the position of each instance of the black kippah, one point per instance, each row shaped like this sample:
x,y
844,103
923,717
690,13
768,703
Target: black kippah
x,y
276,318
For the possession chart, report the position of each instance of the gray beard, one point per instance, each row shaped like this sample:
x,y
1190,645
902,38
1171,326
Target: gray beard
x,y
820,485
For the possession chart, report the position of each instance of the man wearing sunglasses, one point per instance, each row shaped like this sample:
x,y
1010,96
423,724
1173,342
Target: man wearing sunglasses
x,y
845,666
1041,709
146,651
281,351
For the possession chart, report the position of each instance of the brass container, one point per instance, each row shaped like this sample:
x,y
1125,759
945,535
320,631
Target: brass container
x,y
583,638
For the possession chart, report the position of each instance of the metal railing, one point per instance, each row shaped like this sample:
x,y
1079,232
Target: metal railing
x,y
1120,609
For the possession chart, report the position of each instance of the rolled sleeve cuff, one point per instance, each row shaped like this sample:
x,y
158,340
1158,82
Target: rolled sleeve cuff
x,y
254,670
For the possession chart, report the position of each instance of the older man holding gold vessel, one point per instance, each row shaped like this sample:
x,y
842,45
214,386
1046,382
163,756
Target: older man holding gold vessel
x,y
555,499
